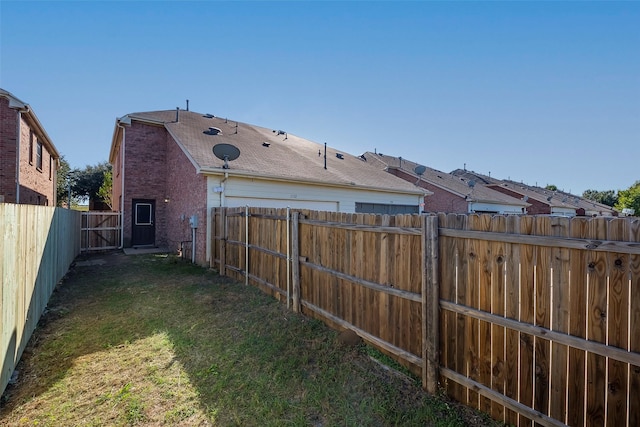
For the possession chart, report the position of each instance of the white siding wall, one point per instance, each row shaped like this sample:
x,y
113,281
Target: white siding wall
x,y
494,207
239,192
563,211
257,192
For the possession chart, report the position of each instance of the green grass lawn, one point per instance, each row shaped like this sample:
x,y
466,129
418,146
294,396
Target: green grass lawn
x,y
150,340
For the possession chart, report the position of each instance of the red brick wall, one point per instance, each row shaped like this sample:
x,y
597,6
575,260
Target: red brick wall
x,y
536,208
187,193
156,168
441,200
8,128
37,186
145,175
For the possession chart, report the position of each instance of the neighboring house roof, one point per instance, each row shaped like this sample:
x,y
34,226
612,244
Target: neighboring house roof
x,y
459,186
530,194
559,199
32,119
477,177
266,153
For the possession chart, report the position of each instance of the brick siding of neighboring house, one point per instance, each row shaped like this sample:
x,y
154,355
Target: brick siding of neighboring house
x,y
8,128
441,200
37,184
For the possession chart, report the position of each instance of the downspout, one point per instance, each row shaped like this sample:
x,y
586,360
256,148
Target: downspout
x,y
222,183
121,126
193,245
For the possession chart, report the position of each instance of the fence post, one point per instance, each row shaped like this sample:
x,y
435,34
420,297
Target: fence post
x,y
212,240
295,260
288,257
223,240
246,245
430,304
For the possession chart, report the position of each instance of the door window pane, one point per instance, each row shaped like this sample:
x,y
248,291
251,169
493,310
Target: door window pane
x,y
143,214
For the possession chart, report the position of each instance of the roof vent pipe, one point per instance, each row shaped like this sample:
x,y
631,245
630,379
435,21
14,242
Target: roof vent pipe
x,y
187,105
325,155
177,114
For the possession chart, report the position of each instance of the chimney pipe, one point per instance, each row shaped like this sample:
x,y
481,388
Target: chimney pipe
x,y
177,114
187,105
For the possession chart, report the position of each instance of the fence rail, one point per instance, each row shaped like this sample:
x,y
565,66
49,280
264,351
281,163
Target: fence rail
x,y
534,320
37,244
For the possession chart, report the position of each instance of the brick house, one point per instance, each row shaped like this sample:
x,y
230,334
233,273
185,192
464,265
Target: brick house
x,y
450,194
165,174
28,159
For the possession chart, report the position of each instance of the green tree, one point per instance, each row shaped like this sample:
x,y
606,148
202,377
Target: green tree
x,y
62,184
608,197
629,199
105,189
551,187
86,182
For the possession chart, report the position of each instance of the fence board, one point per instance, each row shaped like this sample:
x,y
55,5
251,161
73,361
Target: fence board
x,y
449,320
485,291
512,303
498,356
617,325
472,339
596,327
577,326
542,316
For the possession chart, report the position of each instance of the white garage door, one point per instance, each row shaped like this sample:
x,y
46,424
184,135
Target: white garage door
x,y
236,202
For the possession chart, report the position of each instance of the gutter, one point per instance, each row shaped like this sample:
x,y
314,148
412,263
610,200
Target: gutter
x,y
121,126
219,171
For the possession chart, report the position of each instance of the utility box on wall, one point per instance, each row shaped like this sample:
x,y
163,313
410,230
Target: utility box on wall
x,y
193,221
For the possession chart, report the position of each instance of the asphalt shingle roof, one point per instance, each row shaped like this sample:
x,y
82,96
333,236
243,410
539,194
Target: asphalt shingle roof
x,y
287,156
446,181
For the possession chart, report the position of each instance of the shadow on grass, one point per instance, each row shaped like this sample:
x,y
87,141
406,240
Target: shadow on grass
x,y
150,339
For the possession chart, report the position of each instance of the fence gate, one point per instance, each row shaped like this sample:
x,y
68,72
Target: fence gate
x,y
100,231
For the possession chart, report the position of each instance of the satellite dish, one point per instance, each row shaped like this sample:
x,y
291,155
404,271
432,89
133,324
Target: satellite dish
x,y
549,199
419,170
226,152
471,183
525,198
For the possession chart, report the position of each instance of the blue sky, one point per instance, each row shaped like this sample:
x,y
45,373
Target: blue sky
x,y
539,92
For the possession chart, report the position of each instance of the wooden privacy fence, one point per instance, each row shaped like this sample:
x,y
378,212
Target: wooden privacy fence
x,y
100,231
37,244
534,320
